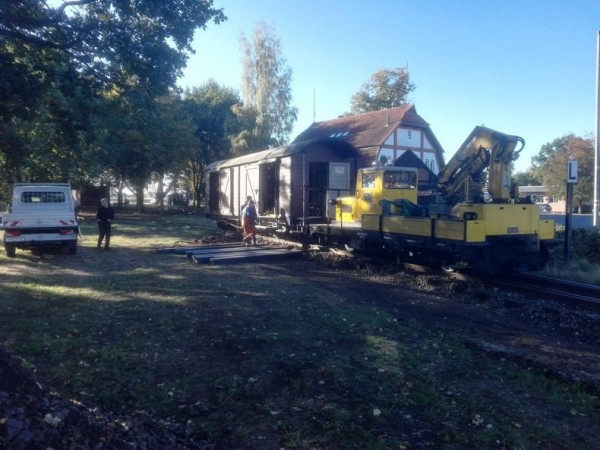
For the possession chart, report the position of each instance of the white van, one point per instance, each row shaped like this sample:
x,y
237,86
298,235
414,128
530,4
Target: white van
x,y
40,215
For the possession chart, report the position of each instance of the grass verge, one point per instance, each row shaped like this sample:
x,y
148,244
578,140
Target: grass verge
x,y
266,356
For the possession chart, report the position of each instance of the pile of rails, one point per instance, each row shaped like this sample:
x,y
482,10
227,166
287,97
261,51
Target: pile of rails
x,y
233,253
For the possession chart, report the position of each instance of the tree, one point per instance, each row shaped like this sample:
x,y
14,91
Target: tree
x,y
111,40
387,88
526,178
142,139
44,111
550,165
266,88
212,110
61,64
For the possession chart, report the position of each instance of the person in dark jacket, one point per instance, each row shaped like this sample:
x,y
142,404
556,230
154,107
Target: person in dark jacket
x,y
104,217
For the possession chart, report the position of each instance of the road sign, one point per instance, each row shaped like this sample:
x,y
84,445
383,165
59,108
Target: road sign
x,y
572,172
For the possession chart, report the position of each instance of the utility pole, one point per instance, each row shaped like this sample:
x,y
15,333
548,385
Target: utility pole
x,y
314,105
596,210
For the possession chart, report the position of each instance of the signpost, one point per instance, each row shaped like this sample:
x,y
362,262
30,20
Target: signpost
x,y
572,174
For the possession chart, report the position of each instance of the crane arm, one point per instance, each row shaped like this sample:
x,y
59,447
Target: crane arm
x,y
483,149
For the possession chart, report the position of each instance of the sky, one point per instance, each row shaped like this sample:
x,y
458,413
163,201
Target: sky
x,y
522,67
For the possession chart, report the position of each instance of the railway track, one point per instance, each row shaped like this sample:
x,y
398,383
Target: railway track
x,y
571,293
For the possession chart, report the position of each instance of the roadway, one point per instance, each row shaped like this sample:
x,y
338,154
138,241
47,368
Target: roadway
x,y
577,220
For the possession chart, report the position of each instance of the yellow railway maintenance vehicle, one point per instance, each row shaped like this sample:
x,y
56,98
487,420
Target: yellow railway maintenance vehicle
x,y
474,220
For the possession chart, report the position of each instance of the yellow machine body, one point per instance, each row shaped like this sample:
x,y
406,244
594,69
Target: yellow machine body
x,y
507,219
372,186
478,223
475,223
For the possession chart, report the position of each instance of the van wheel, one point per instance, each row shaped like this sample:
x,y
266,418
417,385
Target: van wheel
x,y
11,250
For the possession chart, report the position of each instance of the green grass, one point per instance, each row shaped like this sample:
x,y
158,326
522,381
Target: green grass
x,y
266,355
579,270
584,265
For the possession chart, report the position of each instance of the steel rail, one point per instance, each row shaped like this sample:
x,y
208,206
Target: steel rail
x,y
571,293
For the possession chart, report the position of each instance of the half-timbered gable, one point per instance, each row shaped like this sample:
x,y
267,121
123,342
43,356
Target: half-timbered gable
x,y
382,136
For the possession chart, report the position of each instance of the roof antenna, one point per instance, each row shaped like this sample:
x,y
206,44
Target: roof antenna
x,y
314,105
388,120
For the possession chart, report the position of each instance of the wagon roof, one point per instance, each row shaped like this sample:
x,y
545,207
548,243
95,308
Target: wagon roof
x,y
342,146
367,129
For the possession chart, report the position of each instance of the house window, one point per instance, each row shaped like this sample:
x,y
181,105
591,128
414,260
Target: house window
x,y
338,134
409,134
386,154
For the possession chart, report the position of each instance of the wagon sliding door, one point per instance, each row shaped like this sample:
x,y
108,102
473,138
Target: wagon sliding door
x,y
269,188
213,193
317,186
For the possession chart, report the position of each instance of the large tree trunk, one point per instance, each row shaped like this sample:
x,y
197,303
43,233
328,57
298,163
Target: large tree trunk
x,y
160,194
120,193
139,198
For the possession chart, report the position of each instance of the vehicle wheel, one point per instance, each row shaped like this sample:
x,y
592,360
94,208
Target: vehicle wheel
x,y
11,250
72,248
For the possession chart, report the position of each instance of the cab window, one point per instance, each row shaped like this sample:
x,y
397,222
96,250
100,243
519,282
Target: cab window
x,y
400,180
368,180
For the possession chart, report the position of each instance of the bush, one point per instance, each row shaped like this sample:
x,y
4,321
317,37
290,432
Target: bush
x,y
586,244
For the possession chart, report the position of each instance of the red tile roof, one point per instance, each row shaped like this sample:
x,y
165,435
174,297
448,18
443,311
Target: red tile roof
x,y
365,130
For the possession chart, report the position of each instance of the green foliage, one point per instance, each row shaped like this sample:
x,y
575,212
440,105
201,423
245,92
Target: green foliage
x,y
550,166
586,244
44,108
111,40
527,178
585,252
83,88
142,138
213,112
387,88
266,88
